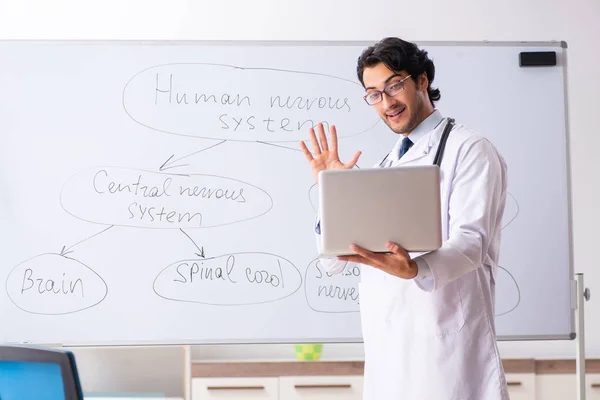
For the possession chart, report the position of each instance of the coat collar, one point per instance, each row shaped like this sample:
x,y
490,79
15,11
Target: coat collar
x,y
422,140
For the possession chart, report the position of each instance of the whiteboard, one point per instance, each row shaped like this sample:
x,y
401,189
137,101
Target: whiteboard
x,y
154,192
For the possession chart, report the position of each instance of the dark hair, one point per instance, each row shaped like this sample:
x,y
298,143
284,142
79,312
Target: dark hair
x,y
399,55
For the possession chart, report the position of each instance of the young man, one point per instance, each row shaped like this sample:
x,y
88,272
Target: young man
x,y
428,320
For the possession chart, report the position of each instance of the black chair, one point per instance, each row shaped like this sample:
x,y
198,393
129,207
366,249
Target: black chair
x,y
38,373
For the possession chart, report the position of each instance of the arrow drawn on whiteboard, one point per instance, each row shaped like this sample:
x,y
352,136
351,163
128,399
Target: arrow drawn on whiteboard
x,y
55,284
200,249
278,145
170,162
289,148
67,250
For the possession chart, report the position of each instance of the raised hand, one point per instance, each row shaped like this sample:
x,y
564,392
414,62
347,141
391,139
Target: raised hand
x,y
325,157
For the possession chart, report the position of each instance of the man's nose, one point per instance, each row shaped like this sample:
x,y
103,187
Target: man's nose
x,y
387,101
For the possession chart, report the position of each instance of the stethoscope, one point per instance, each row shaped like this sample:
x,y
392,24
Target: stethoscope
x,y
440,151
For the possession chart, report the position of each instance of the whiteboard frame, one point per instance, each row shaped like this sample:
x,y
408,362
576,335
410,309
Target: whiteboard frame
x,y
559,44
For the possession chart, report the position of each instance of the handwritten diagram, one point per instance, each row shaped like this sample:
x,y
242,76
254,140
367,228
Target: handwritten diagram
x,y
67,286
172,99
332,293
222,104
147,199
229,280
258,115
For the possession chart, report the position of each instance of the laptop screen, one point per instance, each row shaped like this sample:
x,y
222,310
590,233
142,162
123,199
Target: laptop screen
x,y
20,380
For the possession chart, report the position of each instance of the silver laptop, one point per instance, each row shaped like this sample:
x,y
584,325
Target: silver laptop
x,y
370,207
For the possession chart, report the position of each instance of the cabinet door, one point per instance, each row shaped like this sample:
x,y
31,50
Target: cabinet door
x,y
235,388
556,387
592,384
321,387
521,386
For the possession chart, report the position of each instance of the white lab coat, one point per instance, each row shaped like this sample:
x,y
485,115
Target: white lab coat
x,y
435,340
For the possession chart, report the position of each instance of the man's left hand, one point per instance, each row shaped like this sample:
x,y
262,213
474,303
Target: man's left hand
x,y
397,262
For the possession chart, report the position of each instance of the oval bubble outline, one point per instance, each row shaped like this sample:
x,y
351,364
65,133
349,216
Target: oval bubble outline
x,y
234,67
168,174
311,191
227,255
511,202
306,293
63,313
518,297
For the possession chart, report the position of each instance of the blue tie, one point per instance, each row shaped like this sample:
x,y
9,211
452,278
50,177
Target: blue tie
x,y
406,144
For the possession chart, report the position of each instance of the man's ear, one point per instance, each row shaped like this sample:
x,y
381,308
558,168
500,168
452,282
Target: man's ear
x,y
423,82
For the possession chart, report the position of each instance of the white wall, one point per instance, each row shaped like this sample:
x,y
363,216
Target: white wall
x,y
576,23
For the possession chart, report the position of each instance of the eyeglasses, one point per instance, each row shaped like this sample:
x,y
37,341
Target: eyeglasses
x,y
393,89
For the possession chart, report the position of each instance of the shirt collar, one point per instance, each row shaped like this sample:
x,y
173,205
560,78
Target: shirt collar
x,y
428,125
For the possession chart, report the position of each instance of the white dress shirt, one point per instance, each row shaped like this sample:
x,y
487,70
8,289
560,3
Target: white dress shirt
x,y
430,123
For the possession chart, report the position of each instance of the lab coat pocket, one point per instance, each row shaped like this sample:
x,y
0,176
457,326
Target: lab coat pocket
x,y
438,313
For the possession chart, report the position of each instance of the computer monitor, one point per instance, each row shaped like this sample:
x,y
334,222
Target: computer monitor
x,y
37,373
